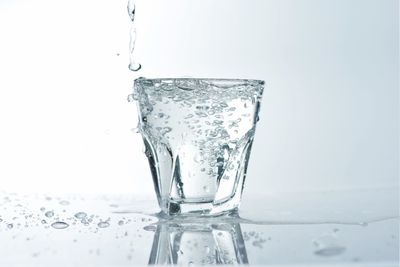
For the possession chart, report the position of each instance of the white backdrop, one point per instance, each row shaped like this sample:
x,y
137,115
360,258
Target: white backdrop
x,y
330,113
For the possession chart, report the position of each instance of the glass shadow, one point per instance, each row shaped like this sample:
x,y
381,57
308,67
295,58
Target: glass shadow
x,y
198,243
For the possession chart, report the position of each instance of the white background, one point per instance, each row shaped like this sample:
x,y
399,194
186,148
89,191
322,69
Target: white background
x,y
330,113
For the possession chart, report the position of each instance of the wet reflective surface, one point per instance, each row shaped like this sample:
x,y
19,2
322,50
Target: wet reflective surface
x,y
347,228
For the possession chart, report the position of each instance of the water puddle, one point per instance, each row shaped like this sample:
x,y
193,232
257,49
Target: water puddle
x,y
353,207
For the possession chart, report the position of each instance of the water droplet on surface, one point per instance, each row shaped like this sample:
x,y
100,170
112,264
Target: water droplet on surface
x,y
206,189
59,225
121,222
10,226
49,214
330,251
151,228
42,209
103,224
44,222
64,202
80,215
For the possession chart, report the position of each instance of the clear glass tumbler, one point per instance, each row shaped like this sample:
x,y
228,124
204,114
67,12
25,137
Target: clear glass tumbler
x,y
198,135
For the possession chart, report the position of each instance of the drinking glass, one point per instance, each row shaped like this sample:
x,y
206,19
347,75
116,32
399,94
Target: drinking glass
x,y
198,135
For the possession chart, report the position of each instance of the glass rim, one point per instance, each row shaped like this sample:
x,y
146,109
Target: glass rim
x,y
212,81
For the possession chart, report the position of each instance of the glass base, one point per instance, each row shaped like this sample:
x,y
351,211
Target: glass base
x,y
173,208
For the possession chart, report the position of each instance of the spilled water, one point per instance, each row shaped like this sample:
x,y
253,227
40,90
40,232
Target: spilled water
x,y
133,65
112,230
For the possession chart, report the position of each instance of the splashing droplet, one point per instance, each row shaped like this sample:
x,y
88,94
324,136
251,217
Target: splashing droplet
x,y
132,97
59,225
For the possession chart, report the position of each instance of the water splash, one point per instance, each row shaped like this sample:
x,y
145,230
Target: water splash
x,y
133,65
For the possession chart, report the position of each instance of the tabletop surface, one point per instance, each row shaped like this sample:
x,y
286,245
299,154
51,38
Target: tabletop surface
x,y
333,228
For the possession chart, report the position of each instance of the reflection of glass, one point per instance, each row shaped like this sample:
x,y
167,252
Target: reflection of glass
x,y
198,243
198,135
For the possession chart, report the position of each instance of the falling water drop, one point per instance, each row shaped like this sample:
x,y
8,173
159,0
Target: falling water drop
x,y
59,225
133,66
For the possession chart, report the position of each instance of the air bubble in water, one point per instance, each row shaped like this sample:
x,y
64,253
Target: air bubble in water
x,y
59,225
